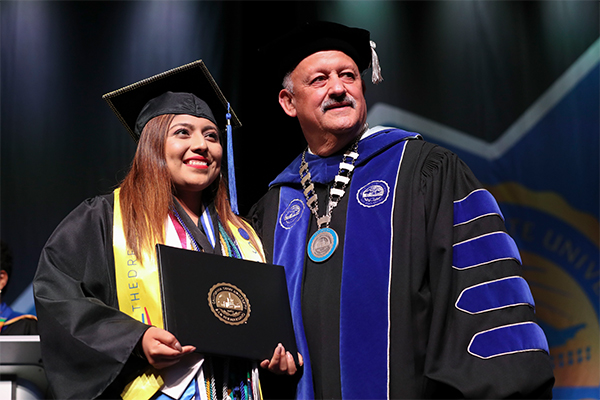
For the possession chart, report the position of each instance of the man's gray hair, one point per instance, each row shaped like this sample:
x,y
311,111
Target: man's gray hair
x,y
287,82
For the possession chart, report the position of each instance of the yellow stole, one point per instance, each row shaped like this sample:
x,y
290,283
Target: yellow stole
x,y
138,293
138,290
249,252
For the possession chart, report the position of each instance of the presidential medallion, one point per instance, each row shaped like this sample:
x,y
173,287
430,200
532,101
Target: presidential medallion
x,y
322,244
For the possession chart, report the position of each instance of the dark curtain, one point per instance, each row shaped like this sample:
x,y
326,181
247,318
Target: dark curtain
x,y
512,87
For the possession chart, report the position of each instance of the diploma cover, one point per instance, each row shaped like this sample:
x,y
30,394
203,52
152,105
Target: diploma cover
x,y
223,305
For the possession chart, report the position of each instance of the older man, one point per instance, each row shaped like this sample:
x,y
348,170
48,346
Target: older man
x,y
402,278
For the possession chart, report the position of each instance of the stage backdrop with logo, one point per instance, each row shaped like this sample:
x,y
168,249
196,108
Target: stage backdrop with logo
x,y
510,86
531,134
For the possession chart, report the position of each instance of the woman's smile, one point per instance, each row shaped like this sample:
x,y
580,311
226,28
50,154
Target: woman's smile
x,y
198,162
193,153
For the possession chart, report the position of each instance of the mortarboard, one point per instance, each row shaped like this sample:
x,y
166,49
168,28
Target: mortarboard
x,y
286,52
129,101
188,89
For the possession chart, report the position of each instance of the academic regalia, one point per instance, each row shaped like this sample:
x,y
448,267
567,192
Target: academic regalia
x,y
16,323
88,344
423,296
91,323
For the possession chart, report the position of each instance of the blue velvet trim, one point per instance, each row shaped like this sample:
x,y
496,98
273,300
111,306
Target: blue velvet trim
x,y
364,309
290,250
508,339
323,170
364,368
485,249
477,204
489,296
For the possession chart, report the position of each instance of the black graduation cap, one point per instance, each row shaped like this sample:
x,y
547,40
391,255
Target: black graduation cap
x,y
129,101
286,52
188,89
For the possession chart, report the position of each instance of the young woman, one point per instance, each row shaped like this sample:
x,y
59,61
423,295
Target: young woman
x,y
96,288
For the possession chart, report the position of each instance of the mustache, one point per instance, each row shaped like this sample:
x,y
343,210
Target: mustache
x,y
347,100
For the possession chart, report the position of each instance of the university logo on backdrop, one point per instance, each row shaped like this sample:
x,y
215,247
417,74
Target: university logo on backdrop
x,y
558,242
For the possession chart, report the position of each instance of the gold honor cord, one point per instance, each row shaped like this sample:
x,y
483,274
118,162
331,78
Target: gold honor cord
x,y
138,293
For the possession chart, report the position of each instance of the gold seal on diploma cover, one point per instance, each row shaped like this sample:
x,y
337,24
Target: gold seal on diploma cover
x,y
229,304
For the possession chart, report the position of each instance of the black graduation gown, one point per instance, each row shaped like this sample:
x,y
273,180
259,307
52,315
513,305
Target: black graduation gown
x,y
87,343
404,264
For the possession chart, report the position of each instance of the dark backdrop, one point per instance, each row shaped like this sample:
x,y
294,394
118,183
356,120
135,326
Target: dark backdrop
x,y
473,67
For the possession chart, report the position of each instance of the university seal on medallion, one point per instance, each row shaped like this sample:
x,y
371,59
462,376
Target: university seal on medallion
x,y
229,304
322,244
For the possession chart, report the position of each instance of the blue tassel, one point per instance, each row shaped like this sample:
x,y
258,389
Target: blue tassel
x,y
230,165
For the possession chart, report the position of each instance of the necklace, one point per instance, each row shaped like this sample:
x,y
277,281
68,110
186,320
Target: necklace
x,y
324,241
